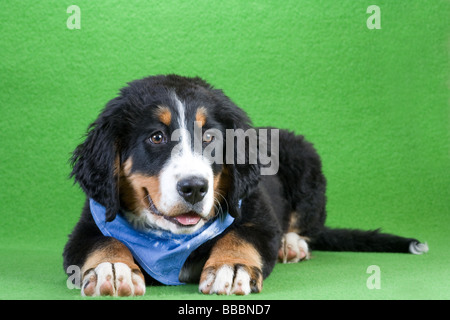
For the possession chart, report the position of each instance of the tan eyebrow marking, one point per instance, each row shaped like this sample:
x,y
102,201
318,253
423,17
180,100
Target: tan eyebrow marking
x,y
200,116
164,115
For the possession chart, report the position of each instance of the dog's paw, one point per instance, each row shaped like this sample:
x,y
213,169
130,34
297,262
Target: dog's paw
x,y
294,248
226,279
113,279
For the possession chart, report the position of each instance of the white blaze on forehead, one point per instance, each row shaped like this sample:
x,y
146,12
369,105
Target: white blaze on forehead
x,y
183,127
183,163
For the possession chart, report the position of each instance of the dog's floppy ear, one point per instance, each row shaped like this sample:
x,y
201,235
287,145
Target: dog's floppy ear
x,y
243,178
94,161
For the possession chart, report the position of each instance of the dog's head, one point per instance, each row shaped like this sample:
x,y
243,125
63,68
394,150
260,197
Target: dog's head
x,y
157,152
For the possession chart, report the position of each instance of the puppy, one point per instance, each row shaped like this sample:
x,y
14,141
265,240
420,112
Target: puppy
x,y
182,188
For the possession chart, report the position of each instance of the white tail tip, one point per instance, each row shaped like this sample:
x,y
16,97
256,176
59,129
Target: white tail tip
x,y
418,248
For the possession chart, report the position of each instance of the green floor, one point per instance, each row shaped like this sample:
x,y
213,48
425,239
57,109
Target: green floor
x,y
375,102
27,273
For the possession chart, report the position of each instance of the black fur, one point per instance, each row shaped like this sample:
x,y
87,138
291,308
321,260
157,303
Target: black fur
x,y
268,202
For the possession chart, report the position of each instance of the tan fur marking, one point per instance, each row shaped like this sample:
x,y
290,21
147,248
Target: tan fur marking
x,y
293,223
164,115
126,167
217,184
200,116
232,249
133,188
221,185
117,166
113,251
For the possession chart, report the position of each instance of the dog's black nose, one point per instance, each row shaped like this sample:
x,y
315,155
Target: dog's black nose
x,y
192,189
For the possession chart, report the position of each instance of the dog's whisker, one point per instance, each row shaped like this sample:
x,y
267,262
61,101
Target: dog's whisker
x,y
218,205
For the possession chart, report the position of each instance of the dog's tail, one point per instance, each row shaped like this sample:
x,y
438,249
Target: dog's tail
x,y
329,239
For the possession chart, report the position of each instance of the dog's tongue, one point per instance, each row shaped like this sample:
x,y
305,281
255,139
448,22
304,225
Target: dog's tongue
x,y
188,219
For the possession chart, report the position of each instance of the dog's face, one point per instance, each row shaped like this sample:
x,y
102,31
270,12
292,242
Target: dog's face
x,y
164,180
144,155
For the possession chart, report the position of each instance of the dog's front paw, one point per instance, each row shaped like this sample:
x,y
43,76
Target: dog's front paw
x,y
113,279
231,279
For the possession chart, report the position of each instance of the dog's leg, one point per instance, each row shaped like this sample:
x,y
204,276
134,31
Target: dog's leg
x,y
110,270
234,267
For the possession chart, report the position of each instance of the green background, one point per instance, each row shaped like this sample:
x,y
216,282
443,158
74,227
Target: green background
x,y
374,102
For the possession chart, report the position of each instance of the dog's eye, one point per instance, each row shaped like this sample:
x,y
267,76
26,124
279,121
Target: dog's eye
x,y
208,137
158,138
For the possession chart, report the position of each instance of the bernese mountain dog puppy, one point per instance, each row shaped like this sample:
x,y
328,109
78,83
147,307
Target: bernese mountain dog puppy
x,y
176,193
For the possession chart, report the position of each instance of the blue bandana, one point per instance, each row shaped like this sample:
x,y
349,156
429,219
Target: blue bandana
x,y
161,254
